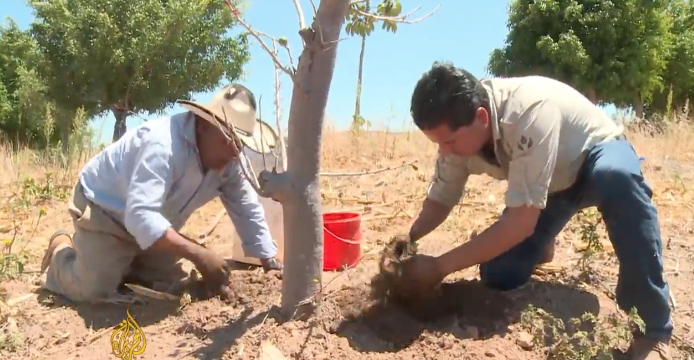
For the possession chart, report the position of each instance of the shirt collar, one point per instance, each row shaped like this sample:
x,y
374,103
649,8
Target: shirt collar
x,y
187,127
493,114
494,119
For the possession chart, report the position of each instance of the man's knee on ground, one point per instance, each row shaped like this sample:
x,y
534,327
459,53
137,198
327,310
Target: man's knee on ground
x,y
502,276
92,286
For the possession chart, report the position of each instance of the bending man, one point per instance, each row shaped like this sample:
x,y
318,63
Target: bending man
x,y
559,153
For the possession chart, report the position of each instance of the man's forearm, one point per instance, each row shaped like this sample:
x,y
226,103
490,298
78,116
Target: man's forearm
x,y
497,239
174,243
432,215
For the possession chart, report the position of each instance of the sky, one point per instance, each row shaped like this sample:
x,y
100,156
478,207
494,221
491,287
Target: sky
x,y
464,32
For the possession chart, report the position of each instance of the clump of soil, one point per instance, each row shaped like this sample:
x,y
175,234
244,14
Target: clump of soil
x,y
387,285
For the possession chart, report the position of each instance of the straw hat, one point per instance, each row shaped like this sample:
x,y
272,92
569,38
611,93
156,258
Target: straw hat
x,y
237,103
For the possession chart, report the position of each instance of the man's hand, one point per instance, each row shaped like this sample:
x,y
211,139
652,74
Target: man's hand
x,y
212,268
421,274
214,271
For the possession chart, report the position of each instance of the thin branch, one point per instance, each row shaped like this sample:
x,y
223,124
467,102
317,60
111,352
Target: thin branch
x,y
289,54
398,19
371,172
257,35
278,113
300,13
244,161
277,41
315,9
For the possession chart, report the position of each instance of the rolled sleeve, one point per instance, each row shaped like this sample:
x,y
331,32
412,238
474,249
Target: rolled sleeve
x,y
146,193
535,145
448,183
247,214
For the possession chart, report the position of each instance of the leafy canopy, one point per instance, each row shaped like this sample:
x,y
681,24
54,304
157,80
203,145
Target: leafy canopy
x,y
614,50
135,55
23,101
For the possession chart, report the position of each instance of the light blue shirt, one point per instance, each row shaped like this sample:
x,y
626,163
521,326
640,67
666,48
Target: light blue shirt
x,y
151,179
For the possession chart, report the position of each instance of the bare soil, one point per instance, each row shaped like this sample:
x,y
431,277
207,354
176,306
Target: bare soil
x,y
463,321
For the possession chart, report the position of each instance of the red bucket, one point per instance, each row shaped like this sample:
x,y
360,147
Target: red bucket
x,y
341,240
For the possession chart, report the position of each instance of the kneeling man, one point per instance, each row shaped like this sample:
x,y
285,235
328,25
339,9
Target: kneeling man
x,y
133,197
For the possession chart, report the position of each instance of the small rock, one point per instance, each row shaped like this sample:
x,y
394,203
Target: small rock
x,y
490,353
525,340
268,351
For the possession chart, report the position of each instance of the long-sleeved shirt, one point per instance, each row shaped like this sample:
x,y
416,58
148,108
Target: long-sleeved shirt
x,y
152,179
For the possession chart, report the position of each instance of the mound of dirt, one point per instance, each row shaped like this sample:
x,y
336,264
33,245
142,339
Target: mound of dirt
x,y
252,287
249,287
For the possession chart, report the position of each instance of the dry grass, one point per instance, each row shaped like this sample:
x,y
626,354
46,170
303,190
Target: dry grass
x,y
35,190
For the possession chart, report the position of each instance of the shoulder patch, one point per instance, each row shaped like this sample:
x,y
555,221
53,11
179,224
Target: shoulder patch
x,y
525,143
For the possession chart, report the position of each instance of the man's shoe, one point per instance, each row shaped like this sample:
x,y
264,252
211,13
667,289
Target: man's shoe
x,y
647,349
271,264
58,238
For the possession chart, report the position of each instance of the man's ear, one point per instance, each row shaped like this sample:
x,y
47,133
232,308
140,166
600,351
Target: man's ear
x,y
482,117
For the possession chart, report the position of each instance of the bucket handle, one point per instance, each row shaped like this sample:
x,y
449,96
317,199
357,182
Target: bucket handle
x,y
352,242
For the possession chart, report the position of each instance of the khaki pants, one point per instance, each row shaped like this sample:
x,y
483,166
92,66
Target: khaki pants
x,y
104,254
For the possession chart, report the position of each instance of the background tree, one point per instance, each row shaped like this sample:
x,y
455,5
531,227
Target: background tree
x,y
134,56
678,78
606,49
388,13
644,50
23,101
297,188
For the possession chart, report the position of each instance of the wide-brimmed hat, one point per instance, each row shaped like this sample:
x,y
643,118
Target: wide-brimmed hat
x,y
232,110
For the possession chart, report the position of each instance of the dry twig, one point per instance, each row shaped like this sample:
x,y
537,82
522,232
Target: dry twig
x,y
344,174
214,224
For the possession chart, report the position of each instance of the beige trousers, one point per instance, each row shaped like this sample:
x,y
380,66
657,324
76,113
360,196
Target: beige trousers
x,y
104,254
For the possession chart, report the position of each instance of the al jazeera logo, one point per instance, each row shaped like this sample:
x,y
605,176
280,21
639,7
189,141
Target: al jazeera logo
x,y
128,339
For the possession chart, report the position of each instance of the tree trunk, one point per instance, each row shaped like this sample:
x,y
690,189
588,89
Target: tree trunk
x,y
592,95
356,120
298,188
119,127
638,107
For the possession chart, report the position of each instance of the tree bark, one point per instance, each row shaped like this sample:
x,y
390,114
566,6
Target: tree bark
x,y
593,95
638,108
119,127
298,188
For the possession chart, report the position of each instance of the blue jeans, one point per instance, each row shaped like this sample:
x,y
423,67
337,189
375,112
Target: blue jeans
x,y
610,179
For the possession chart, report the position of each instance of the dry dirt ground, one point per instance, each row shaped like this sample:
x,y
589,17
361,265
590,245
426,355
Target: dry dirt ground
x,y
470,322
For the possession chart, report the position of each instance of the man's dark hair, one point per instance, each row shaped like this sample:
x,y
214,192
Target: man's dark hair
x,y
447,95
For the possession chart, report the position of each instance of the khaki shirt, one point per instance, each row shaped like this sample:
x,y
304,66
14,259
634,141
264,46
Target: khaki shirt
x,y
542,130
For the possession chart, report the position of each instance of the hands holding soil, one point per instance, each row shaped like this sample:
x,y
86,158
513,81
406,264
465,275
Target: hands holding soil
x,y
405,275
421,275
215,273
